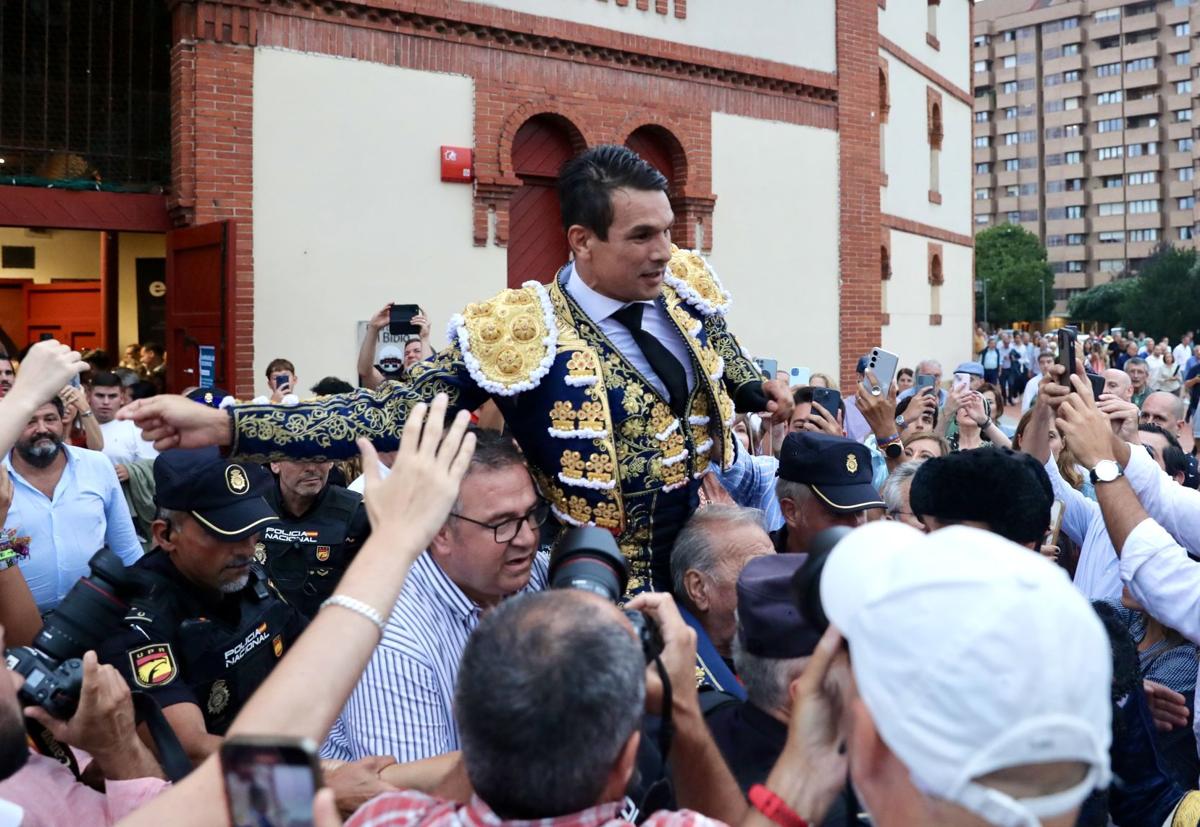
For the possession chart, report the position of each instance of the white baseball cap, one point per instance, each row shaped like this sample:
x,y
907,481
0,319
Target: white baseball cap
x,y
973,655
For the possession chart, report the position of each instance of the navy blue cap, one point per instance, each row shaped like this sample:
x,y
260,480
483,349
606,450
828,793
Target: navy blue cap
x,y
769,623
837,469
971,369
221,495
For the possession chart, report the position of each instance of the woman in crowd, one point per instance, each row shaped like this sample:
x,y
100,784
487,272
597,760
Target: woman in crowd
x,y
821,380
904,379
1097,361
971,413
992,395
922,445
1169,377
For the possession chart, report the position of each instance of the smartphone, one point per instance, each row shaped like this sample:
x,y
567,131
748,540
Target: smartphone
x,y
883,364
925,381
1066,353
270,782
1056,516
75,383
281,379
829,399
962,381
400,319
1097,384
799,376
767,367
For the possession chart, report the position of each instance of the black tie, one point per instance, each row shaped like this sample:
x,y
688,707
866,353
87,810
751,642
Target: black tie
x,y
661,360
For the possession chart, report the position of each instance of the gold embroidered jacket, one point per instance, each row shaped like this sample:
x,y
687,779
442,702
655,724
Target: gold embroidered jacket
x,y
601,441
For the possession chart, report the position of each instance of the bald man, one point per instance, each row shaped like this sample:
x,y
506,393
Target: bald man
x,y
1165,410
1118,383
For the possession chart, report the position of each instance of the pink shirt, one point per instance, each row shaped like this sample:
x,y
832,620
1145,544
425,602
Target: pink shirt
x,y
50,795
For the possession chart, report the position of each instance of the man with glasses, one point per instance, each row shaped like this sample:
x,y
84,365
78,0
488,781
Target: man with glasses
x,y
485,552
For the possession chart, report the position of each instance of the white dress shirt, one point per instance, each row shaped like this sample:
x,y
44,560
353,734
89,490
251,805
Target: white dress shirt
x,y
655,321
123,442
1175,508
1098,573
87,512
1181,353
1030,394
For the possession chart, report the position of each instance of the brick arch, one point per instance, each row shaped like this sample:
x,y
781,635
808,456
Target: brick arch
x,y
885,99
573,125
657,129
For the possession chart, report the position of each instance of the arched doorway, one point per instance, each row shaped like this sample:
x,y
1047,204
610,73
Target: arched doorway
x,y
537,245
662,150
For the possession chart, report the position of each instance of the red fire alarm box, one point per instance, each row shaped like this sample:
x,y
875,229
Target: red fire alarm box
x,y
456,164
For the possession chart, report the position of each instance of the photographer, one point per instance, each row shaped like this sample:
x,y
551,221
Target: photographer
x,y
414,349
113,774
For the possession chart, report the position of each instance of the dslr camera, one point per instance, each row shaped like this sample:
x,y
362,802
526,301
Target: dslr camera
x,y
587,558
52,667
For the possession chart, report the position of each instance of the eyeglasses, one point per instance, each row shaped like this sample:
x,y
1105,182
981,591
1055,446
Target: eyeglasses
x,y
505,532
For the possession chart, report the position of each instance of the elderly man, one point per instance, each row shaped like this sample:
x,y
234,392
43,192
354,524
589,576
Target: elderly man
x,y
895,493
619,379
824,481
931,368
1139,379
709,554
1117,383
486,551
931,737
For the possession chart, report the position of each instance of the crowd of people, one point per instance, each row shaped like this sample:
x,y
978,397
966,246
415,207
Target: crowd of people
x,y
885,603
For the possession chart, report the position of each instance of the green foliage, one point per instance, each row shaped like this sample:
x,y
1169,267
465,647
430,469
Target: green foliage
x,y
1103,303
1019,282
1164,298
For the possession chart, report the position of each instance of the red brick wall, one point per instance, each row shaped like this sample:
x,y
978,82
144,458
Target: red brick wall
x,y
606,83
861,315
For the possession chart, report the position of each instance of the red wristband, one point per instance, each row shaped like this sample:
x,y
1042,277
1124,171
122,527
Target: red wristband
x,y
774,807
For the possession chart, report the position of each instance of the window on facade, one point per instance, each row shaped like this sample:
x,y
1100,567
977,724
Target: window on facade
x,y
1141,121
1070,103
1054,240
982,218
1104,15
1053,79
1074,211
935,144
1013,217
982,194
1185,174
1140,65
1111,237
1069,49
1114,208
1140,37
1008,87
983,117
932,19
1182,115
1108,125
1106,152
1148,177
1148,205
1182,58
1110,181
1183,87
1072,157
1108,97
1011,138
1135,150
983,169
982,141
1011,165
1183,145
1074,266
1074,184
982,65
1111,265
1010,113
1149,234
1074,239
1182,29
1106,69
1111,42
1012,190
1010,36
1188,202
1140,8
1071,77
1183,233
1009,61
981,40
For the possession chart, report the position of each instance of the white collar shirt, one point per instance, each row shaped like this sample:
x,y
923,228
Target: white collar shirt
x,y
123,442
1098,573
655,321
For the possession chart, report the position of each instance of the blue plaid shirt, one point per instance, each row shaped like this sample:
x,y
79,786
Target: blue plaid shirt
x,y
750,481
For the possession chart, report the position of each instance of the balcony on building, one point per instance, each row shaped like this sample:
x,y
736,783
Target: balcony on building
x,y
1146,77
1144,106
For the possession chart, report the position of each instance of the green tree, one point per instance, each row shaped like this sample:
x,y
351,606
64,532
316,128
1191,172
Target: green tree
x,y
1011,261
1165,298
1103,303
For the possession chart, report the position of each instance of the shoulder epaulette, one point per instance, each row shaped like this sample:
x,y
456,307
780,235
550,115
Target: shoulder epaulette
x,y
509,342
692,277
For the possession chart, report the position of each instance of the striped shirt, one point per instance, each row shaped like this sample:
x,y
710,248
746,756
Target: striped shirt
x,y
403,705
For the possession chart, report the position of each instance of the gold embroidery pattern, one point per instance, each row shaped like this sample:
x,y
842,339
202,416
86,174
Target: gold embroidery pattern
x,y
600,468
606,516
591,416
572,465
507,337
562,416
694,272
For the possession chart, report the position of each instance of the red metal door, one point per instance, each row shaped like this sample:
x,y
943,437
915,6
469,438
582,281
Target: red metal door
x,y
199,297
67,311
537,245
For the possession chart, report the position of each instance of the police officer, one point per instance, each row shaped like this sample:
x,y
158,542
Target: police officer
x,y
322,527
210,626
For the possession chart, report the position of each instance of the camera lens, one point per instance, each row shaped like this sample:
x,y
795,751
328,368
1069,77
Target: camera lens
x,y
806,582
93,606
588,558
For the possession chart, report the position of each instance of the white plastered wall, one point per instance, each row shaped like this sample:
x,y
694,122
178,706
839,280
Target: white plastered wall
x,y
349,209
906,22
775,233
57,254
906,154
796,32
909,333
131,247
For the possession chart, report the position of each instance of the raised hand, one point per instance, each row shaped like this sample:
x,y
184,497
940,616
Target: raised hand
x,y
171,421
47,367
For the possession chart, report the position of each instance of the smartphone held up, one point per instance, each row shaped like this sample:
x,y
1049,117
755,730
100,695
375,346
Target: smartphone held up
x,y
270,782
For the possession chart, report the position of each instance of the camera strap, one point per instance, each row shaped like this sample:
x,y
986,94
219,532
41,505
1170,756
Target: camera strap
x,y
44,743
666,732
171,756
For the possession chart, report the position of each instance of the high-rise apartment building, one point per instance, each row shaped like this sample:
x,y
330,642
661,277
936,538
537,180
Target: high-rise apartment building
x,y
1083,130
